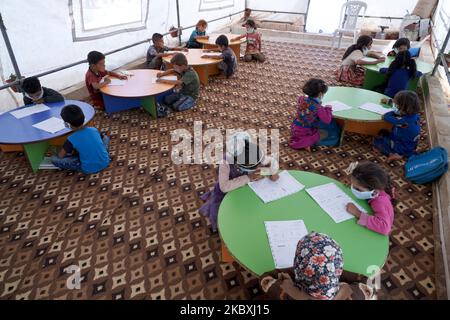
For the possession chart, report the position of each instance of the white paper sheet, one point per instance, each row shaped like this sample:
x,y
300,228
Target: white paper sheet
x,y
28,111
51,125
171,78
117,82
214,54
338,106
270,191
376,108
283,239
333,201
369,59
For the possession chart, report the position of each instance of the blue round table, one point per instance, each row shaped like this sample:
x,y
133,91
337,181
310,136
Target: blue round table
x,y
35,142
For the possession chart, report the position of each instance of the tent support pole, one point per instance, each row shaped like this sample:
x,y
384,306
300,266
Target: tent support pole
x,y
9,47
179,23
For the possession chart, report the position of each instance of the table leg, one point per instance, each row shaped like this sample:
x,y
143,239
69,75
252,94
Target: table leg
x,y
35,153
202,72
413,83
236,49
373,79
149,105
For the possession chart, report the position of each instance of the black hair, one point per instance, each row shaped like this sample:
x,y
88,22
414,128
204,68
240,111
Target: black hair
x,y
156,37
403,60
73,115
222,41
372,176
408,102
363,41
95,57
179,59
251,23
31,85
247,158
314,87
402,42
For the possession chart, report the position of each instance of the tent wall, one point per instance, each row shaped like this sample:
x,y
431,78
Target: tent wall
x,y
41,36
299,6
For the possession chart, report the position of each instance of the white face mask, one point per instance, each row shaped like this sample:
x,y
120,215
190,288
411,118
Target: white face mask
x,y
395,109
363,195
250,30
396,50
365,51
41,95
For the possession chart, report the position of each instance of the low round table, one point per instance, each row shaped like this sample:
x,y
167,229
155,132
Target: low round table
x,y
35,142
139,91
357,120
203,67
210,43
374,78
241,225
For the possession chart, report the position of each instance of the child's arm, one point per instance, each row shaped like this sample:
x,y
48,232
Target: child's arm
x,y
206,56
99,85
378,222
376,55
393,118
226,185
238,38
325,114
172,82
117,75
166,73
52,96
363,62
212,50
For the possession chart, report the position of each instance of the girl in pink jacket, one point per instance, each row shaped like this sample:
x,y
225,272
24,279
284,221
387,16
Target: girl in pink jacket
x,y
370,182
310,113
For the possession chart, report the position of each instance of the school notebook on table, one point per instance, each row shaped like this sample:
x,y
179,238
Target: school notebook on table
x,y
338,106
283,240
376,108
333,201
28,111
268,190
51,125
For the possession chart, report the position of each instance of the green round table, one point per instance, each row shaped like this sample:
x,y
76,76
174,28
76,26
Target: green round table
x,y
357,120
374,78
241,225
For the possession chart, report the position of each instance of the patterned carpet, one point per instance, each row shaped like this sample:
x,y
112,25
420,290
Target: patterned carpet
x,y
135,230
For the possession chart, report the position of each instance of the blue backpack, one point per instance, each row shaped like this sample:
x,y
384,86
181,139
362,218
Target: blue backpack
x,y
332,134
427,167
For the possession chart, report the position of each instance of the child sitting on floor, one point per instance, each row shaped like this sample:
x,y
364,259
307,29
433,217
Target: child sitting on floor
x,y
401,45
34,93
198,33
370,182
399,73
350,70
157,52
86,149
239,168
229,64
254,43
403,139
317,274
188,84
95,77
310,112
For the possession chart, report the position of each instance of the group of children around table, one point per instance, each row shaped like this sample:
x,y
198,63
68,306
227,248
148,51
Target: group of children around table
x,y
86,149
309,279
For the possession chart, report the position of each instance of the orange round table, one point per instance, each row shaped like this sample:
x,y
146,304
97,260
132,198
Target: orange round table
x,y
203,67
211,42
138,91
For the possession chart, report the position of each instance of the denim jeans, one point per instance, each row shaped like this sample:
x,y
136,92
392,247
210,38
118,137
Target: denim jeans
x,y
72,163
179,102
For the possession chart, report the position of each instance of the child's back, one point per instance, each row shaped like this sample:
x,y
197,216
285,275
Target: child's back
x,y
230,61
191,83
92,152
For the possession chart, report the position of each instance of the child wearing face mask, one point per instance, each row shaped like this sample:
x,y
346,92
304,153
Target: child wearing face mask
x,y
240,167
403,139
401,45
370,182
310,113
254,43
350,70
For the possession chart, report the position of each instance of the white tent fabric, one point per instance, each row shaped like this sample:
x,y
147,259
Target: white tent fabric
x,y
41,33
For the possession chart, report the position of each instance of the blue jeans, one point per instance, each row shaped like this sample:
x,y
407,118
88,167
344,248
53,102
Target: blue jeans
x,y
179,102
72,163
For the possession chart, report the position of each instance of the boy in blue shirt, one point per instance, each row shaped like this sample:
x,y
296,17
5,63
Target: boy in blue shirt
x,y
86,150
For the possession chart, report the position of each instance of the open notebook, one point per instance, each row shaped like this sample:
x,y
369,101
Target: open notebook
x,y
28,111
283,239
375,108
269,191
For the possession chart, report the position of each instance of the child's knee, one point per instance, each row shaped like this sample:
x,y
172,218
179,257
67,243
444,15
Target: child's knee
x,y
248,58
260,58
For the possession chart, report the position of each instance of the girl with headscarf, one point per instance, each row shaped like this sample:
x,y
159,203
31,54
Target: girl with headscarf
x,y
317,274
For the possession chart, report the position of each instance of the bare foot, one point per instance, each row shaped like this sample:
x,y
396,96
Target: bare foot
x,y
394,157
